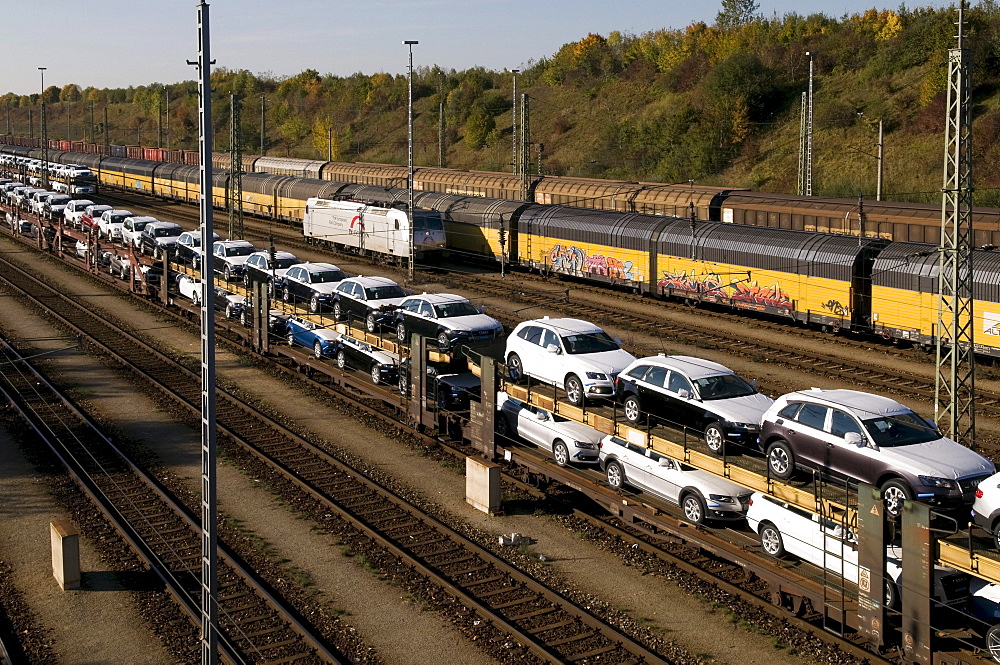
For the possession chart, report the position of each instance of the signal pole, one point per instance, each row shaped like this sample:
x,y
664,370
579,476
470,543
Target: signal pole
x,y
235,187
409,177
209,507
954,390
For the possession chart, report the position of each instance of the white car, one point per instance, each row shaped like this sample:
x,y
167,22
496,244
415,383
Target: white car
x,y
230,255
132,229
785,529
986,507
701,495
574,355
110,224
190,288
567,440
73,213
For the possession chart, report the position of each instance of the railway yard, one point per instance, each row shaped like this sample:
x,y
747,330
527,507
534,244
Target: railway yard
x,y
346,535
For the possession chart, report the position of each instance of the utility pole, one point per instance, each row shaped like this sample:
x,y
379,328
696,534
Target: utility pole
x,y
513,124
8,117
91,132
523,148
954,389
31,125
209,506
159,123
235,188
107,140
809,132
329,143
802,145
45,138
262,126
441,133
166,92
881,163
409,176
68,118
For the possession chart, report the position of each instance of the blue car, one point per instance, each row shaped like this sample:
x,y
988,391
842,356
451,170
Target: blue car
x,y
321,340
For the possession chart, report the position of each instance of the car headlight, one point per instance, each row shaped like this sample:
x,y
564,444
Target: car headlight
x,y
931,481
721,498
600,376
587,445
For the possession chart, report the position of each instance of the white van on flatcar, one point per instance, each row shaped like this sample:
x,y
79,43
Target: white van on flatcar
x,y
371,229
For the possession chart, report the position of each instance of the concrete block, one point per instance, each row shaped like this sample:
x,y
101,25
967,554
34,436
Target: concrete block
x,y
65,554
482,485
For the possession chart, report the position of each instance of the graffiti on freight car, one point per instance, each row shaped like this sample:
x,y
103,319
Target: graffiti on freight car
x,y
571,259
737,292
835,307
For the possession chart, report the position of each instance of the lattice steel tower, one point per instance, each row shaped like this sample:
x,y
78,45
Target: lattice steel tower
x,y
954,392
235,186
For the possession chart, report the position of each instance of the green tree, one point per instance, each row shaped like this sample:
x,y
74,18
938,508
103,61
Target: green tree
x,y
478,128
735,13
69,93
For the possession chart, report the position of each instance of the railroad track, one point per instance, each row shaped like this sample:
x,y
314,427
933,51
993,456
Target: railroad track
x,y
545,623
255,625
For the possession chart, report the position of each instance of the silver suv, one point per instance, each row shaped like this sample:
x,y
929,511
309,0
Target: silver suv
x,y
870,439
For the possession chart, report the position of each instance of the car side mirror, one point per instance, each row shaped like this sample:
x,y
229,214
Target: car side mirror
x,y
541,416
553,348
684,393
753,384
617,340
933,425
666,462
854,439
482,309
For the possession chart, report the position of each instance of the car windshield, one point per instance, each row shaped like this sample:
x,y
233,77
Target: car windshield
x,y
326,276
449,309
59,200
383,292
595,342
428,223
166,233
240,250
118,219
901,429
724,386
284,264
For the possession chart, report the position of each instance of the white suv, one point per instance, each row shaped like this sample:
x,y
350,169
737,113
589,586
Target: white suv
x,y
74,211
701,495
569,441
110,224
575,355
786,529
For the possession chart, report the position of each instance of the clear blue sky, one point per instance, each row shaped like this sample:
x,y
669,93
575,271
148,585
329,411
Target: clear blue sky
x,y
114,43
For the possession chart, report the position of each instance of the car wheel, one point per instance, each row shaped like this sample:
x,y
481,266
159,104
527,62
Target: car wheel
x,y
285,295
574,390
894,493
780,459
771,542
336,311
291,339
694,508
229,311
891,594
514,368
317,349
227,274
157,252
404,385
195,263
246,280
443,340
401,332
196,299
376,375
371,325
111,269
993,642
341,360
245,318
560,452
632,410
715,438
314,304
615,474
